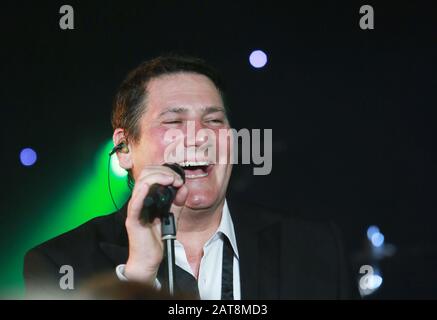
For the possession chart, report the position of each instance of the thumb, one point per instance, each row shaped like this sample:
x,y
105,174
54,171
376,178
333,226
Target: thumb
x,y
181,196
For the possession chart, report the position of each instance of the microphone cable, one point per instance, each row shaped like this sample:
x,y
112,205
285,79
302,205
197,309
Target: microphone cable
x,y
109,182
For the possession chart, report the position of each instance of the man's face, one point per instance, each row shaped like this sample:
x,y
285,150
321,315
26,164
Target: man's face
x,y
187,103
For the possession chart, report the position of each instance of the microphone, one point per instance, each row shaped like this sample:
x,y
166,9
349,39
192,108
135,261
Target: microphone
x,y
158,201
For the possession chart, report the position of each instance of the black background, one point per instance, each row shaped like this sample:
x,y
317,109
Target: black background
x,y
352,111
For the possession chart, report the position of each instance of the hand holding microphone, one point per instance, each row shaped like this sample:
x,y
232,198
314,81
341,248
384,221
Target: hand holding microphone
x,y
155,190
160,197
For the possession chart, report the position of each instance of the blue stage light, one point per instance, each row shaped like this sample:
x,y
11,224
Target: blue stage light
x,y
377,239
371,231
28,157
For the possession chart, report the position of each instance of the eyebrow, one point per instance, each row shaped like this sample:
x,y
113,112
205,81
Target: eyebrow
x,y
213,109
178,110
181,110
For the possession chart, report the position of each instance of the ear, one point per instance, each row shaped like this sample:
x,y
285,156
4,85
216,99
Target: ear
x,y
124,158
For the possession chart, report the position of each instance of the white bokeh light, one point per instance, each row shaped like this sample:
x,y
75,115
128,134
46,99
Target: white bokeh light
x,y
258,59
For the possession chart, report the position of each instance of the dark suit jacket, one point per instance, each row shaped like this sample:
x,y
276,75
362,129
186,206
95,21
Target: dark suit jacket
x,y
281,257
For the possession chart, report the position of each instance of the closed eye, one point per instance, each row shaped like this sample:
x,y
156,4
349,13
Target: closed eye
x,y
215,121
173,122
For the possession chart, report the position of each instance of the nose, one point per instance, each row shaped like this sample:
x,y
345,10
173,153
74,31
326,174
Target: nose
x,y
194,138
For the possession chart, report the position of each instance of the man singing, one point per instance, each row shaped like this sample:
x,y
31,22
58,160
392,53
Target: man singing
x,y
224,249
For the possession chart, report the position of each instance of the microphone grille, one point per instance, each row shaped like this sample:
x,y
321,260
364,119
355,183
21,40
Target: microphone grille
x,y
176,168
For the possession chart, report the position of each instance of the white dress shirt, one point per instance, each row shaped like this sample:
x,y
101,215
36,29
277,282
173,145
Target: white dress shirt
x,y
210,271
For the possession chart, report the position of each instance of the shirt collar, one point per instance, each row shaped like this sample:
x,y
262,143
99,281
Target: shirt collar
x,y
226,228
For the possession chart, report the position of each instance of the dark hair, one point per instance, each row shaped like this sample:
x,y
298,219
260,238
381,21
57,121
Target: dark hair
x,y
130,100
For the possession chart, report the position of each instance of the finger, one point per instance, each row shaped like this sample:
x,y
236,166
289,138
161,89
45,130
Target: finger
x,y
142,188
152,169
156,227
177,182
181,196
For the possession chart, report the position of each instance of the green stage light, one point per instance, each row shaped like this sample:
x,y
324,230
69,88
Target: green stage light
x,y
115,167
83,199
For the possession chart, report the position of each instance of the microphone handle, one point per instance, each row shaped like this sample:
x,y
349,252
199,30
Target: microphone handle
x,y
157,203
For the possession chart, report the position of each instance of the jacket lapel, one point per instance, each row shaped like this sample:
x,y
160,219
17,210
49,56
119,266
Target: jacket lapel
x,y
116,248
116,253
258,243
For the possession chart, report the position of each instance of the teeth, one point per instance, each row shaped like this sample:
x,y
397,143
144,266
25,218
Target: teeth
x,y
193,176
193,163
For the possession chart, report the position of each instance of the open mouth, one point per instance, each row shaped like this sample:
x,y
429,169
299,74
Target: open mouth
x,y
196,169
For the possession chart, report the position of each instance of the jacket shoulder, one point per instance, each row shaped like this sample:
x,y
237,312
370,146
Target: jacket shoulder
x,y
78,241
263,215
